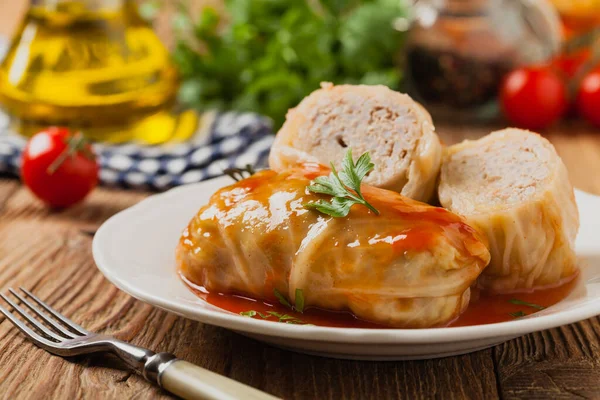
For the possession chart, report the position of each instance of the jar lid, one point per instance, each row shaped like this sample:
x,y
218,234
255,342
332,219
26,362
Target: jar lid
x,y
532,26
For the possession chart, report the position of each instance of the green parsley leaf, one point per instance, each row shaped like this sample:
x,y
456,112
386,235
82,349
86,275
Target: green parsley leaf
x,y
282,299
299,301
344,187
517,314
321,185
337,208
524,303
282,317
250,313
287,318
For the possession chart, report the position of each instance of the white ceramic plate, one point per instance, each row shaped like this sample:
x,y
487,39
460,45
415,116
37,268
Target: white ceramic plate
x,y
135,250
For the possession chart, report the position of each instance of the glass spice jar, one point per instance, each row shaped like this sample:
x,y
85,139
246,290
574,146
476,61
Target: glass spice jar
x,y
459,50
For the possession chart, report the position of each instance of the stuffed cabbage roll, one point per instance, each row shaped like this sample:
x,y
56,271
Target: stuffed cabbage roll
x,y
514,188
411,266
397,131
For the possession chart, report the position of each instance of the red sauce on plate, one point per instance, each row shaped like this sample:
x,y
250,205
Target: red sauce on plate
x,y
489,308
485,308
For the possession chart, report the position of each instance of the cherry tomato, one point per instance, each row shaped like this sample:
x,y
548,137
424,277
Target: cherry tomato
x,y
588,97
533,97
59,167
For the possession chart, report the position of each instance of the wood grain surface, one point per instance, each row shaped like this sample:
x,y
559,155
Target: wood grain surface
x,y
50,253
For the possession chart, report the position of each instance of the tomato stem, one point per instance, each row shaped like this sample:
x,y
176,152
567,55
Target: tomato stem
x,y
589,40
586,40
58,162
76,143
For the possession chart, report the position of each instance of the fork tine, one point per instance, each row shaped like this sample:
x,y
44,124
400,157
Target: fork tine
x,y
36,324
34,337
70,324
67,334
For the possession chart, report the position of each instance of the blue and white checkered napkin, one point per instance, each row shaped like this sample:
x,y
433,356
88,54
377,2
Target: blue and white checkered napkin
x,y
223,140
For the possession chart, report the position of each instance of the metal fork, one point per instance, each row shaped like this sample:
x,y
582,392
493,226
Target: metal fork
x,y
61,336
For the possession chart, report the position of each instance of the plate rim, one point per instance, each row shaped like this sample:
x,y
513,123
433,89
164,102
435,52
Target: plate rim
x,y
320,333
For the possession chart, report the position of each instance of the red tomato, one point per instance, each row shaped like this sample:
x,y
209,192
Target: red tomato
x,y
59,167
533,97
588,97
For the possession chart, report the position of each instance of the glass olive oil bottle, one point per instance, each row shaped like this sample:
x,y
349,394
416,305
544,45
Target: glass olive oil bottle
x,y
93,65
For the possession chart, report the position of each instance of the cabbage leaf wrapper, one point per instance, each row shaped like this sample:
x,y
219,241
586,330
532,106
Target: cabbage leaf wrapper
x,y
410,267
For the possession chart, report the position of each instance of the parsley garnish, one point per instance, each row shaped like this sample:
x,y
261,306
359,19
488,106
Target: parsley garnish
x,y
299,304
282,317
282,299
285,318
344,187
299,301
250,313
288,319
517,314
524,303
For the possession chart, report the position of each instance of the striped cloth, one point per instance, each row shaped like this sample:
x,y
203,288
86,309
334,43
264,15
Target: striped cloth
x,y
223,140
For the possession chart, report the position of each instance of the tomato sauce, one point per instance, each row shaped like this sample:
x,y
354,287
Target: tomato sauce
x,y
485,308
488,308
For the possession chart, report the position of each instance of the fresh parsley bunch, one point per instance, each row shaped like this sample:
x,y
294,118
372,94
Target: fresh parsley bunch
x,y
266,55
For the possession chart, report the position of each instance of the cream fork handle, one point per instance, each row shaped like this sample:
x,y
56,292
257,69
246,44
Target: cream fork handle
x,y
189,381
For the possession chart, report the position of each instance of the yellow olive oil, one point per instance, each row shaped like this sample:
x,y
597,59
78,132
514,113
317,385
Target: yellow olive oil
x,y
91,65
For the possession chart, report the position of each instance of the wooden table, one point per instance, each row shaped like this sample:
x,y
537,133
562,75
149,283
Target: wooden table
x,y
50,253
